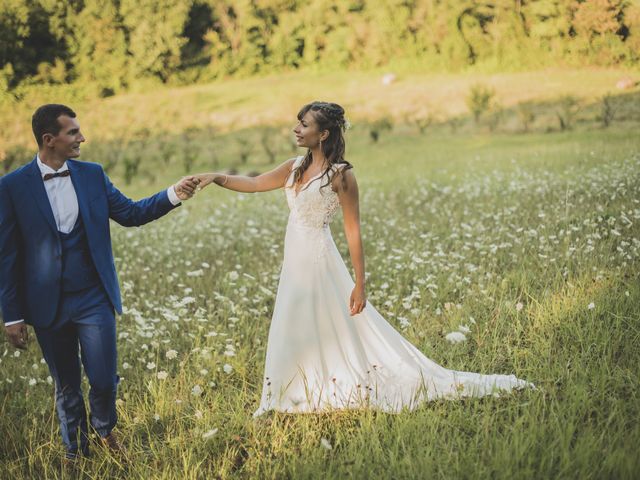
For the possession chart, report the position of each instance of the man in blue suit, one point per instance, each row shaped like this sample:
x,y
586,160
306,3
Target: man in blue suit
x,y
57,271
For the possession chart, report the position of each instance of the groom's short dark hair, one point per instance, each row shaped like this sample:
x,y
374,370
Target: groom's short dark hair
x,y
45,120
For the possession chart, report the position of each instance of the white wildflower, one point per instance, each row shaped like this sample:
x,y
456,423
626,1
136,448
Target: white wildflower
x,y
162,375
266,291
324,443
455,337
591,306
227,368
209,434
151,365
171,354
196,390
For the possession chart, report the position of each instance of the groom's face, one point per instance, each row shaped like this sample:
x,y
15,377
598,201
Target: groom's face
x,y
67,142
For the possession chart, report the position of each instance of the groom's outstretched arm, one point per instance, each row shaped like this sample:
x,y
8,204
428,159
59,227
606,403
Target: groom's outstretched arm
x,y
131,213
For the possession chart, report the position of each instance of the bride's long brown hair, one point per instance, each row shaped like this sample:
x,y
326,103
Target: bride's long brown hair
x,y
328,116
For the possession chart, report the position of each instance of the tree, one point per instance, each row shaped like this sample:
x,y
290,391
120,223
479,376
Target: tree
x,y
100,46
154,29
596,24
14,29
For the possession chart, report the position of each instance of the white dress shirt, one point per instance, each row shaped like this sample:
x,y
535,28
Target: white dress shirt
x,y
64,201
62,197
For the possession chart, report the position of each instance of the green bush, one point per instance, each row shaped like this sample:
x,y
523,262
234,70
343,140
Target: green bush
x,y
568,109
377,128
607,110
479,100
526,115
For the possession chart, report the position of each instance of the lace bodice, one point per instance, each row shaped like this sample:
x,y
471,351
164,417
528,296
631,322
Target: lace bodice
x,y
315,204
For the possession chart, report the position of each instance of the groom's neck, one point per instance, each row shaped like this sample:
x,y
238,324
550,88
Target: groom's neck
x,y
50,159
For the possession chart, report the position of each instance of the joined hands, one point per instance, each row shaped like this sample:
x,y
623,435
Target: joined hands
x,y
205,179
186,187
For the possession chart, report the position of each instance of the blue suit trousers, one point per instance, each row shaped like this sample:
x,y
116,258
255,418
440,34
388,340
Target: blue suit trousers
x,y
84,331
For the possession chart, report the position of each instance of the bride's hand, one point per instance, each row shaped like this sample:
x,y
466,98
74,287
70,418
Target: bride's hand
x,y
357,301
206,179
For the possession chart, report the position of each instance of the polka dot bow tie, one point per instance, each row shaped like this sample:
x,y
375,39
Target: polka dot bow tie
x,y
49,176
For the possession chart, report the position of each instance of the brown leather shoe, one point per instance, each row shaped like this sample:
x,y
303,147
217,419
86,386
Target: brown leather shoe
x,y
112,443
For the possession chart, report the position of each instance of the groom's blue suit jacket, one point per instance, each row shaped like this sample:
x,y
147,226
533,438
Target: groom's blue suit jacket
x,y
30,245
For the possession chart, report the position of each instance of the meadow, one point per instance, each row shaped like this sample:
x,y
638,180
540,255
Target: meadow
x,y
527,243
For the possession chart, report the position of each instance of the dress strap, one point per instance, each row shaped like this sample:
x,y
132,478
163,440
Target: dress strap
x,y
296,164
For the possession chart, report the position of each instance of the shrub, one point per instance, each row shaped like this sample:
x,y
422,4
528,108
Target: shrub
x,y
567,112
384,124
526,115
607,110
189,149
479,100
422,119
13,157
270,142
245,146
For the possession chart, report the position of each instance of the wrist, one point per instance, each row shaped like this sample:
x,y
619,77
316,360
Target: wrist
x,y
220,179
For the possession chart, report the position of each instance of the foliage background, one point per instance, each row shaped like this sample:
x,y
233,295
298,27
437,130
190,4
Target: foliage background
x,y
116,44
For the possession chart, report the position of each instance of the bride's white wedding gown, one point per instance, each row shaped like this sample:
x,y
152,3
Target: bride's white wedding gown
x,y
321,358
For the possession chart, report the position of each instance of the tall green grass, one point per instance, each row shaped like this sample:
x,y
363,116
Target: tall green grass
x,y
532,241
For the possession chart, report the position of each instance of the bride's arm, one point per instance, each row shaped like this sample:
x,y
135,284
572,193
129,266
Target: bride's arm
x,y
348,194
241,183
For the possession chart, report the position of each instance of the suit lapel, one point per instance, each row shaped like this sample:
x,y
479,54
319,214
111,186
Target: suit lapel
x,y
80,186
36,187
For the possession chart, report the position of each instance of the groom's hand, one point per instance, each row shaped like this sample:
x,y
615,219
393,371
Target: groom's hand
x,y
18,335
186,187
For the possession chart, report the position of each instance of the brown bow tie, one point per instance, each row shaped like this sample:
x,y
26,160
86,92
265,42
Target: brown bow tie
x,y
49,176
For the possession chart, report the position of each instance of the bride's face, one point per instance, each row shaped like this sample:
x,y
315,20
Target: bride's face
x,y
307,132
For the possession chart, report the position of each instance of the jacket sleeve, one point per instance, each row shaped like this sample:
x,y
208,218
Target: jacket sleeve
x,y
130,213
11,289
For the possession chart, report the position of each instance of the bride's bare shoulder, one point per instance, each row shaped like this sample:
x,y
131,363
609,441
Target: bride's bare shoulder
x,y
343,177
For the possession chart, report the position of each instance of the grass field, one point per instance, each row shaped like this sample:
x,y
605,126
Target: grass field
x,y
531,240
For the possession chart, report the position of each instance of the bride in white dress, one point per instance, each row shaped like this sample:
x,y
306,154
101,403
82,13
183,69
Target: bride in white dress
x,y
327,348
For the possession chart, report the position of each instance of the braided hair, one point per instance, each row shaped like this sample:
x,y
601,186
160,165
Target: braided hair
x,y
328,116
